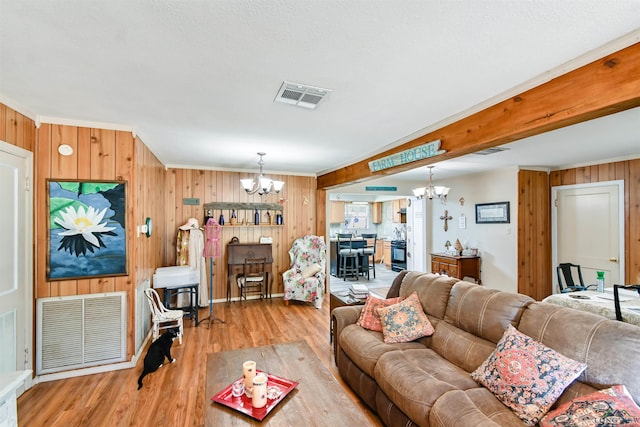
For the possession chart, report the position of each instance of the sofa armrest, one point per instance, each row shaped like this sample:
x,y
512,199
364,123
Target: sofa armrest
x,y
342,317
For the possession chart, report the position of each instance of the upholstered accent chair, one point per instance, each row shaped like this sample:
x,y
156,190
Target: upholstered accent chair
x,y
304,280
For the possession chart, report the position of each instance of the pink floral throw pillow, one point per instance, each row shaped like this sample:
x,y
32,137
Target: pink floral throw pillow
x,y
369,317
526,375
611,407
404,321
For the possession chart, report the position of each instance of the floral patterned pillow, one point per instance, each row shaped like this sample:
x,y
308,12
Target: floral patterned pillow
x,y
369,317
611,407
404,321
526,375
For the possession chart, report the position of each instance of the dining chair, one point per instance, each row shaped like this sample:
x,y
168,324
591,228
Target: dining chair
x,y
567,273
252,280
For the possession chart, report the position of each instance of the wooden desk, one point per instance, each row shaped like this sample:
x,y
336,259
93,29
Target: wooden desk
x,y
238,252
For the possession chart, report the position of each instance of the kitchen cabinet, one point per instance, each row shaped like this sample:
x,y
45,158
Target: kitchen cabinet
x,y
376,213
379,250
456,266
397,207
336,213
386,252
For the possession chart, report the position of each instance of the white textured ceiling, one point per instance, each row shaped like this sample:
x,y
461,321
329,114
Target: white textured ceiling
x,y
196,79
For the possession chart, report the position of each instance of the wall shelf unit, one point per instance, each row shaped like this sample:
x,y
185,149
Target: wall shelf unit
x,y
245,213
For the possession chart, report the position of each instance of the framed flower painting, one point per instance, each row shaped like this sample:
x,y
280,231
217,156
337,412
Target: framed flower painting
x,y
87,233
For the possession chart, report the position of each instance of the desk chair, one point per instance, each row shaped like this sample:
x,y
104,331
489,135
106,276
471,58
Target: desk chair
x,y
566,274
616,298
253,277
370,251
349,266
162,317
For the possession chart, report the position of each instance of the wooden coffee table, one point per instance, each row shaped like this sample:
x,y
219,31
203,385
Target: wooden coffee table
x,y
318,400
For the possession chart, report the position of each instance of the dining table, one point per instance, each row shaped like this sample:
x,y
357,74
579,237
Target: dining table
x,y
601,303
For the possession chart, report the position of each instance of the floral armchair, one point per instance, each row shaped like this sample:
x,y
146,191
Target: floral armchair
x,y
304,281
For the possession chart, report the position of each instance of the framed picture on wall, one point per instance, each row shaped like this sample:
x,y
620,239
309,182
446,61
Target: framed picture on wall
x,y
492,213
87,230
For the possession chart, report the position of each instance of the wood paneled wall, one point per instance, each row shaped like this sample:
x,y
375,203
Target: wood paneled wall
x,y
150,182
629,172
17,129
300,215
98,154
534,234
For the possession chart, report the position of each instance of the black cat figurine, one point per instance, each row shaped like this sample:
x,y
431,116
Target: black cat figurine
x,y
157,352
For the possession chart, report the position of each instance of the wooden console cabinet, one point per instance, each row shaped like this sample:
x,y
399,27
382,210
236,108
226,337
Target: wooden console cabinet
x,y
456,266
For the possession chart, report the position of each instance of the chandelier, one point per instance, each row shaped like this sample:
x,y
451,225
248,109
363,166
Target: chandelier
x,y
432,190
263,185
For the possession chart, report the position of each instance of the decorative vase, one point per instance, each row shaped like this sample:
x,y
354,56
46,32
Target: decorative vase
x,y
458,247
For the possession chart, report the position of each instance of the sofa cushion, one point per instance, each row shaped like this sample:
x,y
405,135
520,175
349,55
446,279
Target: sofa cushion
x,y
604,345
414,379
365,347
612,406
404,321
525,375
484,312
460,347
369,317
432,289
476,407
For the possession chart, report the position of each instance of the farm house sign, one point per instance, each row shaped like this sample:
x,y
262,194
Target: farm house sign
x,y
424,151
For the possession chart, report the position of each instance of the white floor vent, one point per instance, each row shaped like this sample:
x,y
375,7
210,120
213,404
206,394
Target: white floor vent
x,y
80,331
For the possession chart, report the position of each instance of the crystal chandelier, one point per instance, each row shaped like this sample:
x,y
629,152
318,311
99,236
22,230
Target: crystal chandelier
x,y
432,190
263,185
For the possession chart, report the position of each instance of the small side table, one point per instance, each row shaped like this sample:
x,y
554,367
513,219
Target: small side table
x,y
341,299
191,311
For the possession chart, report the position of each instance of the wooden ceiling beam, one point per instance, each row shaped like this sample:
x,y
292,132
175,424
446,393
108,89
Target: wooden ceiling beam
x,y
606,86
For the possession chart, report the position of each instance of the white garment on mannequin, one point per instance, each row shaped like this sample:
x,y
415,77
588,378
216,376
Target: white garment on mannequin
x,y
197,262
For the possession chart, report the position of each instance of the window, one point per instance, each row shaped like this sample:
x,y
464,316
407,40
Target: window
x,y
356,215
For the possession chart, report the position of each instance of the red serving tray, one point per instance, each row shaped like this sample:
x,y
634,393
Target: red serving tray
x,y
243,403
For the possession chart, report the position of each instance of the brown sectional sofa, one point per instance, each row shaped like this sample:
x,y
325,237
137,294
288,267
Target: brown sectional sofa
x,y
427,383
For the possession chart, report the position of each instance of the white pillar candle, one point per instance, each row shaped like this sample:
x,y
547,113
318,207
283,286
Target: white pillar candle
x,y
248,372
259,393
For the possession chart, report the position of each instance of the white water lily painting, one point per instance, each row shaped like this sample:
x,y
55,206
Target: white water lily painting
x,y
86,229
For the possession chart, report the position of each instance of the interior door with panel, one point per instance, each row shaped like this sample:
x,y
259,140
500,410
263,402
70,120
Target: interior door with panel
x,y
588,229
16,286
416,235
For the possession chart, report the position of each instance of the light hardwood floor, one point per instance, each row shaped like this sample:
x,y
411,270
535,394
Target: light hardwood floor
x,y
175,394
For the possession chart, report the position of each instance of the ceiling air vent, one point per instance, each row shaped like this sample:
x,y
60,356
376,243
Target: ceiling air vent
x,y
301,95
491,150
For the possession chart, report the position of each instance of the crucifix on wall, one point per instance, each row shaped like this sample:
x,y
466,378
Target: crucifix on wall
x,y
446,217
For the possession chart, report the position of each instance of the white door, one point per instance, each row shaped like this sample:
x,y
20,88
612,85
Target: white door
x,y
589,230
416,237
16,283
